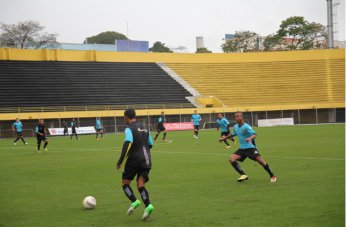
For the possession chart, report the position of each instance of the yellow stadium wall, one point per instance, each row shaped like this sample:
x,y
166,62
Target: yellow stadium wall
x,y
102,56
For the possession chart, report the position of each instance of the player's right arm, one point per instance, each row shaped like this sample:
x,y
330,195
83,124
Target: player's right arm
x,y
126,147
13,126
37,132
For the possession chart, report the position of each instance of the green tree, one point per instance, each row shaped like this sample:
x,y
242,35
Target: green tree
x,y
243,41
203,50
301,34
107,37
26,34
271,41
159,47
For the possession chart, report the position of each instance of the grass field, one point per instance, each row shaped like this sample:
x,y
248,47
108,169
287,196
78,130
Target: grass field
x,y
191,183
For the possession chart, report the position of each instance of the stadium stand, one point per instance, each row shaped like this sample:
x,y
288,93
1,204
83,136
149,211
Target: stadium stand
x,y
268,83
61,83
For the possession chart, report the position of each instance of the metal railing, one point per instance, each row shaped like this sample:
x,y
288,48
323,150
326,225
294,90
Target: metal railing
x,y
92,108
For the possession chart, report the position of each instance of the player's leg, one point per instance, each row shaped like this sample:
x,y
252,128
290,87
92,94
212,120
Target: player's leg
x,y
45,144
265,165
22,138
15,141
223,135
97,134
38,144
76,135
164,135
71,135
141,180
157,134
233,161
127,178
101,133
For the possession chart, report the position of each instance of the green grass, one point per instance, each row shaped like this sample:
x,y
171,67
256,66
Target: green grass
x,y
191,182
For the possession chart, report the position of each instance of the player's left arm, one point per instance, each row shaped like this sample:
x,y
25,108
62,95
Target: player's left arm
x,y
150,141
252,133
126,147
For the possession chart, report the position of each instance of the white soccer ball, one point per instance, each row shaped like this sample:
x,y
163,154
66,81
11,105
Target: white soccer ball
x,y
89,202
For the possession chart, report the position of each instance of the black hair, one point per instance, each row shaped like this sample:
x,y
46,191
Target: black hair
x,y
130,113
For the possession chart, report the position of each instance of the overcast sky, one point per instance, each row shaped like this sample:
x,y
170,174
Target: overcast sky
x,y
174,22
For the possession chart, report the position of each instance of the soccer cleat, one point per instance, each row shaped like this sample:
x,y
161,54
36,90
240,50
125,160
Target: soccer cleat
x,y
228,147
15,144
46,149
273,179
234,141
242,178
148,210
165,141
26,143
196,137
133,206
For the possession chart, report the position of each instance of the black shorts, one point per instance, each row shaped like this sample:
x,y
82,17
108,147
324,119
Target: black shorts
x,y
74,131
19,133
98,129
225,133
41,138
196,127
251,153
160,128
130,173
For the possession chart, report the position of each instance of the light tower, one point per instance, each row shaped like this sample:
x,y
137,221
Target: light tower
x,y
330,23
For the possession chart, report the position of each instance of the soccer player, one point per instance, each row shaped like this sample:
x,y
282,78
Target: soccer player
x,y
99,128
196,118
136,151
247,148
18,126
223,123
160,127
73,127
64,124
40,131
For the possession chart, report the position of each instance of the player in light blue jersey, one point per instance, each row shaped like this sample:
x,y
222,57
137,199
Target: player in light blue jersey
x,y
247,148
99,128
18,127
196,118
223,125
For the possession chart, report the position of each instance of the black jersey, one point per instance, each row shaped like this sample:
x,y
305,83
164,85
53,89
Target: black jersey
x,y
139,153
40,129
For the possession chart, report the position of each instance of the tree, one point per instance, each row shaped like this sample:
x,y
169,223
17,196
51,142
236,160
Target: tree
x,y
107,37
243,41
271,41
26,34
160,47
203,50
301,34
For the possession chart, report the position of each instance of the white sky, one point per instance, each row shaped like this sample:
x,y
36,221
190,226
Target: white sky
x,y
174,22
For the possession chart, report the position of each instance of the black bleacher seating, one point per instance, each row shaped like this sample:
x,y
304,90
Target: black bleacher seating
x,y
36,84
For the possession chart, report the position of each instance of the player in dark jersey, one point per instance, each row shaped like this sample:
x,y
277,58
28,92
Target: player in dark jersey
x,y
160,127
136,152
64,124
40,131
247,148
18,127
73,127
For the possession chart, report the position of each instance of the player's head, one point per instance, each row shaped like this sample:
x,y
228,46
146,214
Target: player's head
x,y
238,116
219,115
73,119
41,121
129,115
195,111
17,120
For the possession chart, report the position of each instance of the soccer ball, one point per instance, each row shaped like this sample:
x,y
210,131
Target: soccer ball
x,y
89,202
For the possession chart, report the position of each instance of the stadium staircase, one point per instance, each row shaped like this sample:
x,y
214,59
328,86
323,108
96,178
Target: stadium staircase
x,y
267,83
53,83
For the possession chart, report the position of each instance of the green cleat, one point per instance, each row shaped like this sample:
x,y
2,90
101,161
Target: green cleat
x,y
133,206
242,178
148,210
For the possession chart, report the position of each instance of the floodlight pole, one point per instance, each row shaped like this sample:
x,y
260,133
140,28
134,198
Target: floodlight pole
x,y
330,23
